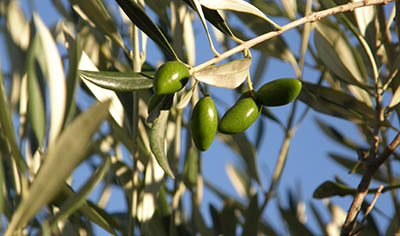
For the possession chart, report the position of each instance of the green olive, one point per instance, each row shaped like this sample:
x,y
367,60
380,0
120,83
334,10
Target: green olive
x,y
278,92
170,77
204,122
240,116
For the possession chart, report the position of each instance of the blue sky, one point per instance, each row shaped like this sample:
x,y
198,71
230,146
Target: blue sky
x,y
308,164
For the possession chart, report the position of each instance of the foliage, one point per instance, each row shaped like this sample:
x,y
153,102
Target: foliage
x,y
97,56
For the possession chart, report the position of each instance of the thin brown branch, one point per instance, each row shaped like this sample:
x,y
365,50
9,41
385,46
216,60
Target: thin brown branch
x,y
363,187
316,16
369,209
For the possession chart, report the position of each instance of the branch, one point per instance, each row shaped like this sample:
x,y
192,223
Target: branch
x,y
316,16
363,187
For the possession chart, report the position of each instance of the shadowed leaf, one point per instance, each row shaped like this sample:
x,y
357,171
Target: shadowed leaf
x,y
140,18
336,103
157,141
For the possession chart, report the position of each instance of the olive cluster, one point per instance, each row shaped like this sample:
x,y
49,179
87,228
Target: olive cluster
x,y
173,76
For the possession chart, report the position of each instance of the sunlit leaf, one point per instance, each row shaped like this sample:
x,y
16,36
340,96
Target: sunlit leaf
x,y
364,16
186,97
157,141
152,183
336,53
95,13
120,81
395,99
229,75
66,152
140,18
239,180
235,5
56,78
17,25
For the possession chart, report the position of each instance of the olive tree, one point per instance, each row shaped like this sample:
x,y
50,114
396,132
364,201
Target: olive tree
x,y
89,90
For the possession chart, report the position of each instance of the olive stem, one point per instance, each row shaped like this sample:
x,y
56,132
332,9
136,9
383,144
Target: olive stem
x,y
309,18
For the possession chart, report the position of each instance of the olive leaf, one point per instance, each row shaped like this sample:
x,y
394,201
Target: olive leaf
x,y
336,103
350,164
67,152
36,103
140,18
95,12
330,189
56,77
229,75
236,5
337,54
252,216
336,135
185,99
157,141
119,81
395,99
239,180
77,200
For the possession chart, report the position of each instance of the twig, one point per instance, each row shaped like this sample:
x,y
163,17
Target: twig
x,y
362,189
316,16
369,209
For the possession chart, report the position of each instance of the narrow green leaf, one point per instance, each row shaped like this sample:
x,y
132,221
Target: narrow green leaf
x,y
157,141
7,127
74,55
215,18
336,135
36,108
252,218
191,168
228,219
139,18
229,75
95,12
349,163
119,81
330,189
296,228
62,156
199,223
336,103
215,216
101,94
77,200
